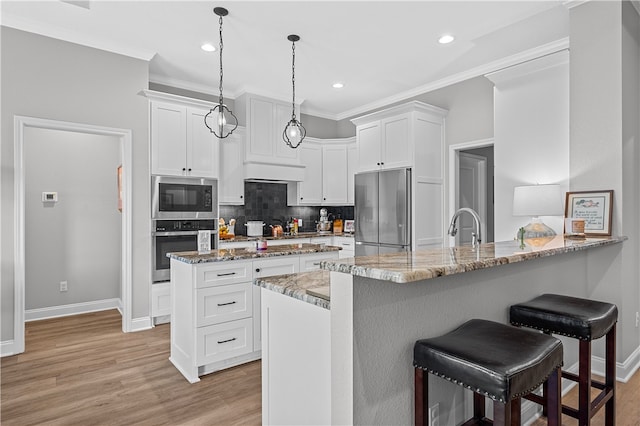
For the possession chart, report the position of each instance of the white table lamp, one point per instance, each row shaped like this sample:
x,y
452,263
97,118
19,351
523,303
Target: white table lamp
x,y
534,201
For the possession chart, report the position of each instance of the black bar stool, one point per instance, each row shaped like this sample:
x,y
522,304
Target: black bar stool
x,y
585,320
493,360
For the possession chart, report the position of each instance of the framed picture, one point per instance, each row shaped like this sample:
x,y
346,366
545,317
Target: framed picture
x,y
594,207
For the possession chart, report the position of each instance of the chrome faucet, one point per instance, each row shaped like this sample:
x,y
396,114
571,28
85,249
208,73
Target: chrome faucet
x,y
476,237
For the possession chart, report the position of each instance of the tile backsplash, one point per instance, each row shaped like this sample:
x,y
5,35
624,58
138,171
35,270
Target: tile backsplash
x,y
268,202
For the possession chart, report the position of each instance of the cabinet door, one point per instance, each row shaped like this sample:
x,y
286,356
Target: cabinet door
x,y
368,142
168,139
352,167
276,266
261,130
310,189
232,169
202,146
160,299
334,174
396,146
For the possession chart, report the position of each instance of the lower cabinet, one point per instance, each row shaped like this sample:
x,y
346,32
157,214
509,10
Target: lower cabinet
x,y
161,302
215,314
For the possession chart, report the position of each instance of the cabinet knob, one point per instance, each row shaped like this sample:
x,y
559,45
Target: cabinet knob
x,y
376,164
380,164
301,198
257,269
324,198
190,168
184,169
241,196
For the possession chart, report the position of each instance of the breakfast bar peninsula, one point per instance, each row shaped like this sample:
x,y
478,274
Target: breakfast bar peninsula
x,y
380,305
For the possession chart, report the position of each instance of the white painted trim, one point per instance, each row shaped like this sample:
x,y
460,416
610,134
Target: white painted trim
x,y
126,146
8,348
624,370
453,155
141,324
188,85
69,35
71,309
499,64
176,99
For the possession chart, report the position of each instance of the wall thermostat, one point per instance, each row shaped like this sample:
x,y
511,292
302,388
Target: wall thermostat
x,y
49,197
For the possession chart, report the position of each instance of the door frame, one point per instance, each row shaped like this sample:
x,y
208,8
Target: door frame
x,y
482,188
20,123
454,151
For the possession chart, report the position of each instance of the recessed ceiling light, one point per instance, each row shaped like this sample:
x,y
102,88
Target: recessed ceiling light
x,y
447,38
338,85
208,47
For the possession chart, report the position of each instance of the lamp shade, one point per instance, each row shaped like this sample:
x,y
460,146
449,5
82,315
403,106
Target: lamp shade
x,y
537,200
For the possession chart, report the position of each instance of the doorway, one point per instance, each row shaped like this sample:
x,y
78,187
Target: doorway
x,y
122,137
471,185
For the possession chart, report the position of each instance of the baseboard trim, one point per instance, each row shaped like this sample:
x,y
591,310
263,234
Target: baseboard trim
x,y
140,324
7,348
71,309
624,370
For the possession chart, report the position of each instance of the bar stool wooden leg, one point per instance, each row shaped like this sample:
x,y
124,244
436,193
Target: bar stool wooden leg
x,y
501,413
584,384
421,397
610,376
516,411
552,403
478,406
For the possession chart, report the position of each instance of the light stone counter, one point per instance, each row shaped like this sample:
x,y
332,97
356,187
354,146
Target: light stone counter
x,y
427,264
221,255
299,285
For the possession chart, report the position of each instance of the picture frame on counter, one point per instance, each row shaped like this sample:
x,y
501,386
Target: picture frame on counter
x,y
349,226
595,207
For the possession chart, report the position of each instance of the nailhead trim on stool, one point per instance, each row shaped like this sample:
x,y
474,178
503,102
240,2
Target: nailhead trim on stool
x,y
582,319
493,360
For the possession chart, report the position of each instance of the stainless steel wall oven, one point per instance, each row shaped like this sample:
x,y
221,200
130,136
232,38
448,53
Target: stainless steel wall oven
x,y
174,236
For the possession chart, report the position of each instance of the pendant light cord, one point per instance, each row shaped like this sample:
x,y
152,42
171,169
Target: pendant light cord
x,y
293,78
221,73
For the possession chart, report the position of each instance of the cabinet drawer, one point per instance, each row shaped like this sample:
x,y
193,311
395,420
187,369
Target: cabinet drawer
x,y
222,341
223,273
275,266
311,262
218,304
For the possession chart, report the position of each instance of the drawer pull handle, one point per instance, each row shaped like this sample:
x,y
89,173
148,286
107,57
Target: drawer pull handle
x,y
226,341
346,244
225,304
226,274
316,263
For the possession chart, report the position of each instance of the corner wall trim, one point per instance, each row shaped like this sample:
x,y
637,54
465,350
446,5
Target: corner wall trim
x,y
71,309
624,370
140,324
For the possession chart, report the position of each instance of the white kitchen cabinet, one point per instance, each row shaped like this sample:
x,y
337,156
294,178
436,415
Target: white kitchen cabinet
x,y
232,168
311,262
347,244
267,156
369,142
352,167
181,144
334,174
309,191
161,302
384,144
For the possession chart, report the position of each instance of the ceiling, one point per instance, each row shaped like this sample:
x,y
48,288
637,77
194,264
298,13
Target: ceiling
x,y
383,51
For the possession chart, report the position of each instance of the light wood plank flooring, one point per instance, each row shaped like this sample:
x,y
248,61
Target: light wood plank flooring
x,y
83,370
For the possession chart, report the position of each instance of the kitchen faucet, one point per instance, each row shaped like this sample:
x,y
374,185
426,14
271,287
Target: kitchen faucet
x,y
476,238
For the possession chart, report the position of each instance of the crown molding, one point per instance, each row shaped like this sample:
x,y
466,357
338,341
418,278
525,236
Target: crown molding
x,y
64,34
636,4
481,70
570,4
319,113
188,85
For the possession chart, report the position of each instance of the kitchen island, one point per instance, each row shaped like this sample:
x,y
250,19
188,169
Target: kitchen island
x,y
380,305
215,310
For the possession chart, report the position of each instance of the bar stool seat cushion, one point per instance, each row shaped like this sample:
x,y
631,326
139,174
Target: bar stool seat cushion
x,y
567,316
497,360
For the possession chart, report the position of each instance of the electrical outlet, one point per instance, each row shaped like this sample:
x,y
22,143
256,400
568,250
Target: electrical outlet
x,y
637,319
434,415
63,286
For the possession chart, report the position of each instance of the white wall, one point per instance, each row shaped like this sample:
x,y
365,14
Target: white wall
x,y
605,106
77,239
531,141
47,78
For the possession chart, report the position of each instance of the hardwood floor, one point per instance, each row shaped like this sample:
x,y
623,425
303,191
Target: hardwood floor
x,y
83,370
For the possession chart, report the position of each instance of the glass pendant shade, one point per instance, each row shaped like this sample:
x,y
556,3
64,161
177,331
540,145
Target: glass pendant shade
x,y
294,133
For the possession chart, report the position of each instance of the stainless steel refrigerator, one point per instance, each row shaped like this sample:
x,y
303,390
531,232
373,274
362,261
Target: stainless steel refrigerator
x,y
383,212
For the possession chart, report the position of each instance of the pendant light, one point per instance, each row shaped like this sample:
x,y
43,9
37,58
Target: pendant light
x,y
221,116
294,132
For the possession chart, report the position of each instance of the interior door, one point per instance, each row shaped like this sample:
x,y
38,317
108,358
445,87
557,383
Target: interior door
x,y
472,183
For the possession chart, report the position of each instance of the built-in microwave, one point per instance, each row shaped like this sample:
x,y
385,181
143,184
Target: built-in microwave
x,y
183,198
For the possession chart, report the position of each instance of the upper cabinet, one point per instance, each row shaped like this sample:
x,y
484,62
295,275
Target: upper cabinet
x,y
329,173
384,143
267,156
232,168
181,144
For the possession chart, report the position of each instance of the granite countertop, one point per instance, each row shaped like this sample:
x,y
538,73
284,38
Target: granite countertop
x,y
241,238
311,287
221,254
426,264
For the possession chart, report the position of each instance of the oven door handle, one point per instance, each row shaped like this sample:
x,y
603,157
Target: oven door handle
x,y
174,234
